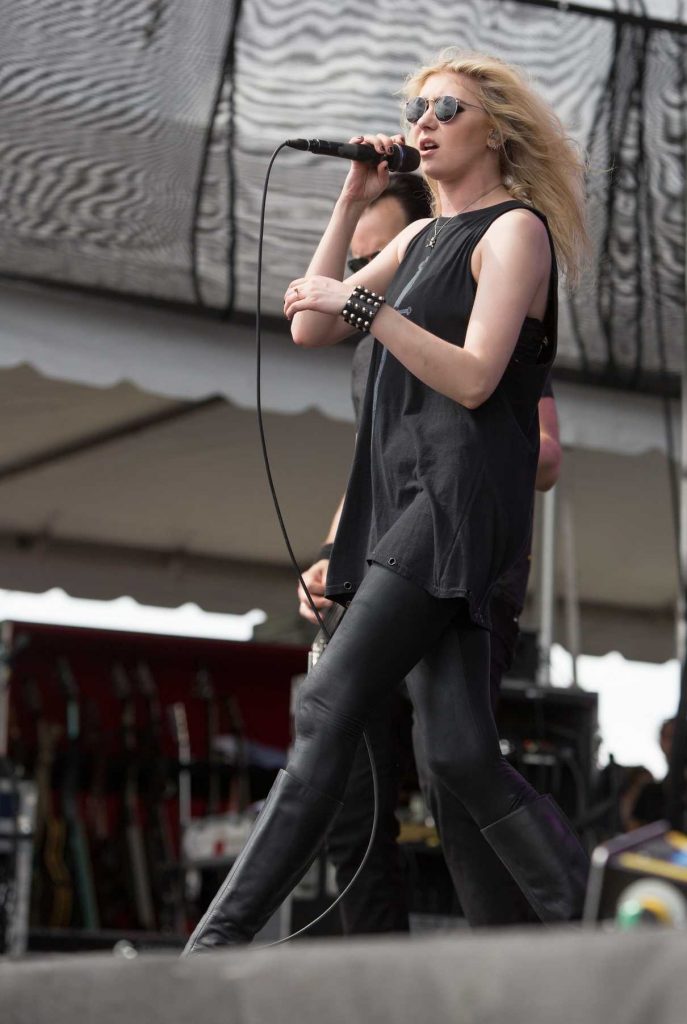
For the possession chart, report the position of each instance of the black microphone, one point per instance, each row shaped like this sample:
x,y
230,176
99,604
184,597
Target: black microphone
x,y
403,158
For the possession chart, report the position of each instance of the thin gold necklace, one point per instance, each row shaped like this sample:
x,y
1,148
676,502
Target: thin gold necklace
x,y
437,230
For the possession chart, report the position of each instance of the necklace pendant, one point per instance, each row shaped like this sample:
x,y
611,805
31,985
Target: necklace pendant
x,y
432,242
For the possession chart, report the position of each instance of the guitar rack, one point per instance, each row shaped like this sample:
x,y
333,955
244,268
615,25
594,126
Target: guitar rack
x,y
121,746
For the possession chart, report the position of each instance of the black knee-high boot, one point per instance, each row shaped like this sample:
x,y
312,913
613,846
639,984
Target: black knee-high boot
x,y
538,846
287,835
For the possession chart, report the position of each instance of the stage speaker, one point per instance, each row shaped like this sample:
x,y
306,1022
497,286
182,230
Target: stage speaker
x,y
526,656
550,735
640,878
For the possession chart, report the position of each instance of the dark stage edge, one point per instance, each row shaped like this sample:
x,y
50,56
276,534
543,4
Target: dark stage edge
x,y
550,976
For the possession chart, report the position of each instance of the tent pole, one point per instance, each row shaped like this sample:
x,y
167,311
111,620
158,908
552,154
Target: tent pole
x,y
547,580
678,757
572,601
682,597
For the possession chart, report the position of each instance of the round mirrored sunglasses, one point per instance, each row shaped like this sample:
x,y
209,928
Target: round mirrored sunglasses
x,y
445,108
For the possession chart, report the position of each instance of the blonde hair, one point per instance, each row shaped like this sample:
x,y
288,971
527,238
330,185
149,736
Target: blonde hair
x,y
541,165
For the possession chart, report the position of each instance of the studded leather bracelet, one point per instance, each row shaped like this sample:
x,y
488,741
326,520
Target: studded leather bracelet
x,y
361,308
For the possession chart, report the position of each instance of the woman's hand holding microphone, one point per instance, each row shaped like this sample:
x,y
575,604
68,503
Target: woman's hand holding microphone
x,y
364,183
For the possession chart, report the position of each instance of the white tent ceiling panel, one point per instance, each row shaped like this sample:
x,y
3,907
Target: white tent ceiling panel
x,y
621,422
39,414
624,536
116,478
165,579
193,487
195,484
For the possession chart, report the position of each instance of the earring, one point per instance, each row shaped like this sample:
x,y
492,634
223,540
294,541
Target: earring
x,y
493,140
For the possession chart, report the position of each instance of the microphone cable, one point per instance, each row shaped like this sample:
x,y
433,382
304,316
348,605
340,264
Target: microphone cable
x,y
268,470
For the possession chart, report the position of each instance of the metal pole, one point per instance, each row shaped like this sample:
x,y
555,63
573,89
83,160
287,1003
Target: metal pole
x,y
547,580
682,650
681,597
572,603
678,758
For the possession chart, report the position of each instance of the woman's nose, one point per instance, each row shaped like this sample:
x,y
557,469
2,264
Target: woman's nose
x,y
428,120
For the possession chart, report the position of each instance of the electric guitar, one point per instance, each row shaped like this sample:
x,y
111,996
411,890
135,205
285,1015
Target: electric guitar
x,y
54,897
205,689
135,846
183,743
239,787
108,866
158,835
179,721
82,866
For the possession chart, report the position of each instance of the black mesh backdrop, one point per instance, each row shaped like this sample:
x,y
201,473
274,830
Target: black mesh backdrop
x,y
106,176
628,319
117,172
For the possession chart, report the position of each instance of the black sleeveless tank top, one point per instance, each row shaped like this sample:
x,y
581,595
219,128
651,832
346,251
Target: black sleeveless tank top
x,y
440,493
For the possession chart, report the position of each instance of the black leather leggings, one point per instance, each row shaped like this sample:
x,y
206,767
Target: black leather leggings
x,y
395,630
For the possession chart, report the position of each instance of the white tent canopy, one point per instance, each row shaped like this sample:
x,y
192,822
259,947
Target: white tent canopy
x,y
101,343
132,466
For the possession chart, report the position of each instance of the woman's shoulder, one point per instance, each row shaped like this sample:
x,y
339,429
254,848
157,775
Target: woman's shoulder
x,y
516,237
516,215
516,223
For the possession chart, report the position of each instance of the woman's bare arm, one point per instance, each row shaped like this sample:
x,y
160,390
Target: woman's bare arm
x,y
313,329
514,268
313,325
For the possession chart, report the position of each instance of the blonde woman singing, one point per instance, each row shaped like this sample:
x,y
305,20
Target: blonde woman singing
x,y
462,307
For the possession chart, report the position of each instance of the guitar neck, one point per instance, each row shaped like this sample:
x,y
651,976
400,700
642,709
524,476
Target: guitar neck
x,y
206,691
239,791
135,845
180,720
76,833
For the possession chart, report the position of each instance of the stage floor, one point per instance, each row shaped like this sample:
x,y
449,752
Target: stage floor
x,y
564,975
